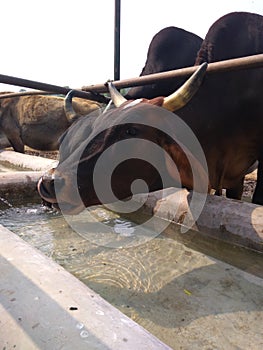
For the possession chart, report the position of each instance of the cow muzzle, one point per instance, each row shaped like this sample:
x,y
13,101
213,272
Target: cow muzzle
x,y
55,193
46,188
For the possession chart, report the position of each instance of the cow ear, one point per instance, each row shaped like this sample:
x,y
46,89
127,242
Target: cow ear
x,y
180,164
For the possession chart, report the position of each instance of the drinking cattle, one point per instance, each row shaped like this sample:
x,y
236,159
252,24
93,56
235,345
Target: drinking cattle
x,y
225,115
85,142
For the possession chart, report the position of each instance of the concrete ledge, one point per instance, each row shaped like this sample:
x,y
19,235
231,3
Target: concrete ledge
x,y
19,185
22,184
26,161
233,221
45,307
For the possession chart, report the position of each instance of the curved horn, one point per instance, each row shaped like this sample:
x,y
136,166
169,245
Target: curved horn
x,y
68,108
183,95
116,97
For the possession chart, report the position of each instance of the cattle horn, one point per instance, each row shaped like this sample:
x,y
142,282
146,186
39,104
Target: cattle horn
x,y
68,108
116,97
183,95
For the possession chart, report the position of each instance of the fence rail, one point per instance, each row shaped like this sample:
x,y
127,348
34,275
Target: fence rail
x,y
93,91
255,61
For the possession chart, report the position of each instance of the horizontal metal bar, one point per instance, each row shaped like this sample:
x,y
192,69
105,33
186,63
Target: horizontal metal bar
x,y
6,79
254,61
92,92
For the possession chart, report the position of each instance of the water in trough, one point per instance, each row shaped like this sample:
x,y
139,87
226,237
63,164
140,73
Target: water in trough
x,y
170,284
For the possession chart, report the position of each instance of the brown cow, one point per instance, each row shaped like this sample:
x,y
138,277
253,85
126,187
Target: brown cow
x,y
37,121
74,183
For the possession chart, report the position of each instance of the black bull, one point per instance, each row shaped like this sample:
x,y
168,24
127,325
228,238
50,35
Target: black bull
x,y
171,48
228,105
225,115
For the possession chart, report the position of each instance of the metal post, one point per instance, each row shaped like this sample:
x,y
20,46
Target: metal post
x,y
117,32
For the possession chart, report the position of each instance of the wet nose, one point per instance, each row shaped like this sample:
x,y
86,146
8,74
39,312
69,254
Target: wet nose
x,y
49,184
46,189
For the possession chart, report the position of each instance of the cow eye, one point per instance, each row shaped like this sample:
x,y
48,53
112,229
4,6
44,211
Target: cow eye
x,y
131,131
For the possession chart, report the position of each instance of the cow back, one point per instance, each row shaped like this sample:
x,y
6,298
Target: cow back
x,y
170,49
237,34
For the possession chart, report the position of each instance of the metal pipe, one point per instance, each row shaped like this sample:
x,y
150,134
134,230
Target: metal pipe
x,y
6,79
117,33
255,61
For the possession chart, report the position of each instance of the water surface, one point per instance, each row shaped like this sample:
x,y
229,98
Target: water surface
x,y
167,284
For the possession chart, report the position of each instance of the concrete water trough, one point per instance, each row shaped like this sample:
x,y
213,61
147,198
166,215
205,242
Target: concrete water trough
x,y
192,297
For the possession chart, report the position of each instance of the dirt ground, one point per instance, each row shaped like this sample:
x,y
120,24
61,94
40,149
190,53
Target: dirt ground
x,y
50,155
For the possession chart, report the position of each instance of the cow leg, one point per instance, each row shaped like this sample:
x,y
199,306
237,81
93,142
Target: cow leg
x,y
236,192
258,193
11,130
4,142
17,145
15,140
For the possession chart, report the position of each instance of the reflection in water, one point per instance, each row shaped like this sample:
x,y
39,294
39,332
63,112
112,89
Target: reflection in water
x,y
163,284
